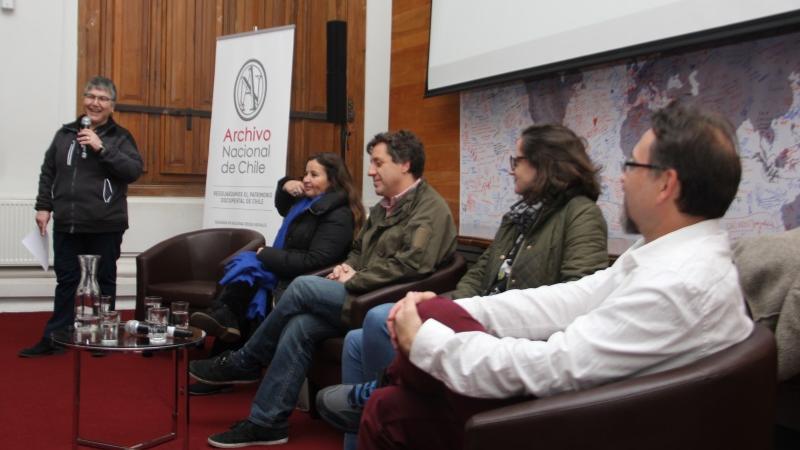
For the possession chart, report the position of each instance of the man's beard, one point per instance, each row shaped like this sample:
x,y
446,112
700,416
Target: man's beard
x,y
627,223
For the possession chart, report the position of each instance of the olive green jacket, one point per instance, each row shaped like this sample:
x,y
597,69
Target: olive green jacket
x,y
567,241
411,243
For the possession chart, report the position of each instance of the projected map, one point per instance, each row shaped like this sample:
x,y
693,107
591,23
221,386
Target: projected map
x,y
755,84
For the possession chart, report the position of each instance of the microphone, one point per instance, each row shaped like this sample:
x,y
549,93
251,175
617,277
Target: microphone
x,y
136,327
85,123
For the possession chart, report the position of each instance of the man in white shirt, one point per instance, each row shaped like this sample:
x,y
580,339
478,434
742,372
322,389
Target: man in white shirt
x,y
671,299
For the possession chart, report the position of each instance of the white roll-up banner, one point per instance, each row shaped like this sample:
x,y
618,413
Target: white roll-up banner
x,y
249,130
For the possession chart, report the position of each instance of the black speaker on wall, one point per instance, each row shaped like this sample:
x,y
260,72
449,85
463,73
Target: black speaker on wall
x,y
337,71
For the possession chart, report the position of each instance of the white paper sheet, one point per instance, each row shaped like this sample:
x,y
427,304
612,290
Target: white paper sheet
x,y
39,247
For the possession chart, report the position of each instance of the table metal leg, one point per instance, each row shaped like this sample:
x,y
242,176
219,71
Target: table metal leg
x,y
76,397
180,357
182,374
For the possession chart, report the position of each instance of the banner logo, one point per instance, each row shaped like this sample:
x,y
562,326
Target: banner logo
x,y
250,89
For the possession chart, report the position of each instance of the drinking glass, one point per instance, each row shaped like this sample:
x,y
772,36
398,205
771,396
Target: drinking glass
x,y
151,301
109,327
105,304
157,322
180,314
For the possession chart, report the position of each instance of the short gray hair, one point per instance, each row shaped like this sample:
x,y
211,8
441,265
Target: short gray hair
x,y
104,84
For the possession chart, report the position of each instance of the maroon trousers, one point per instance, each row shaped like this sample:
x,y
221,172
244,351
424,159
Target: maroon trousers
x,y
416,411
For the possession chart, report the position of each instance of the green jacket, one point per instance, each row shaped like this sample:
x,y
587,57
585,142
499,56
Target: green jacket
x,y
567,242
411,243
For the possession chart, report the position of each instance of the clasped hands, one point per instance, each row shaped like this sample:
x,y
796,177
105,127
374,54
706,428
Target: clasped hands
x,y
404,321
341,273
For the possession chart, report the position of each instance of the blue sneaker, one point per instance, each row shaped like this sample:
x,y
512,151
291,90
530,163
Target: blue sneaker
x,y
334,407
361,392
341,405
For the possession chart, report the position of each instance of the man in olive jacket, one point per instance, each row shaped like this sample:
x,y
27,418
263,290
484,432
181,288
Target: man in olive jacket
x,y
408,235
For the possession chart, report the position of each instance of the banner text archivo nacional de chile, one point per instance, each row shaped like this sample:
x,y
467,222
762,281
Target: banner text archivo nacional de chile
x,y
249,130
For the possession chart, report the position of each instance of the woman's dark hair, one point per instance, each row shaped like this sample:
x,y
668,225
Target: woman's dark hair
x,y
701,147
340,179
561,163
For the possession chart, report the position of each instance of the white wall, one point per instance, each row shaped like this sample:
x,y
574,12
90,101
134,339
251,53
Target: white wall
x,y
39,53
38,50
376,83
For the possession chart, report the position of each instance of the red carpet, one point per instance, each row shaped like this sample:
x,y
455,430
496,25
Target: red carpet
x,y
125,399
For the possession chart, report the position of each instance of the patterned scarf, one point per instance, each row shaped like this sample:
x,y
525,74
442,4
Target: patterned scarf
x,y
523,215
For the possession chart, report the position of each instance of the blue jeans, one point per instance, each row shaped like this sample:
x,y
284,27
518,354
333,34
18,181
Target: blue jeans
x,y
367,351
309,311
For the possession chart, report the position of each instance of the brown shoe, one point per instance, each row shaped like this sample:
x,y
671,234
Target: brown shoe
x,y
221,323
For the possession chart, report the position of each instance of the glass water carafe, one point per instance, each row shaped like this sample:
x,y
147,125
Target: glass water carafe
x,y
87,296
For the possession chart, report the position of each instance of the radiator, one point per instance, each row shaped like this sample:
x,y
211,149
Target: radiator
x,y
16,221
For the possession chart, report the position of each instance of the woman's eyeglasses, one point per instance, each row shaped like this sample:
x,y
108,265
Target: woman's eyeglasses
x,y
99,98
629,164
514,161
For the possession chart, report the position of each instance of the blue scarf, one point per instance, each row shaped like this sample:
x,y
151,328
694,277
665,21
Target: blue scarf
x,y
246,267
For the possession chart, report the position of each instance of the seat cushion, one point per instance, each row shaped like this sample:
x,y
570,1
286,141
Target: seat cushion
x,y
198,293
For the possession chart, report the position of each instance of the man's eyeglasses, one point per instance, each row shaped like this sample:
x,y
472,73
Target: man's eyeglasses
x,y
629,164
514,161
99,98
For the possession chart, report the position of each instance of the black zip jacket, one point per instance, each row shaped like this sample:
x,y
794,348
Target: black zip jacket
x,y
89,195
319,237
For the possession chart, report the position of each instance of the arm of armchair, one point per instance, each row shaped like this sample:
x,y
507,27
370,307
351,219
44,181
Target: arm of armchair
x,y
723,396
444,279
250,246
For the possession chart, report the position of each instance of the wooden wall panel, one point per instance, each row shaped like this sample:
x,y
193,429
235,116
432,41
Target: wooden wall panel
x,y
161,54
127,66
89,38
435,120
208,27
356,50
131,44
179,86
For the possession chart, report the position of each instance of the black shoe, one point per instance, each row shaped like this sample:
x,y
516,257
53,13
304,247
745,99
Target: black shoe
x,y
246,433
42,348
209,389
220,370
220,323
334,407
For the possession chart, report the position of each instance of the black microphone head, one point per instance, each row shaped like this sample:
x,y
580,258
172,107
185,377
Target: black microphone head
x,y
85,122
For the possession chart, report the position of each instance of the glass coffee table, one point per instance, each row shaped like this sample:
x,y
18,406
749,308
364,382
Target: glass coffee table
x,y
131,343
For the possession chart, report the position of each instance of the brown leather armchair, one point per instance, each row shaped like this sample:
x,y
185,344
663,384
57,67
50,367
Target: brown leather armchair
x,y
326,367
724,401
187,266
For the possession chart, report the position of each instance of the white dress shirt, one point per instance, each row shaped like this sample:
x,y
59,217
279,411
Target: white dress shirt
x,y
662,305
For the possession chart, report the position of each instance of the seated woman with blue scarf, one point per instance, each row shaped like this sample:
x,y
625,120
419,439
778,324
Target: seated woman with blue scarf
x,y
322,213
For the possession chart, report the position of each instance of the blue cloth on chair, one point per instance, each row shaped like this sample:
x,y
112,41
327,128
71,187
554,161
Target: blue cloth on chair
x,y
246,267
